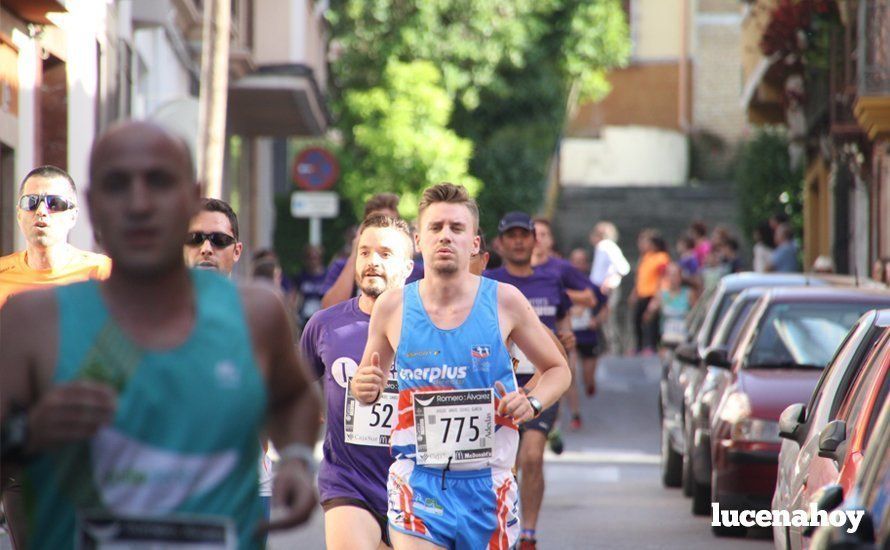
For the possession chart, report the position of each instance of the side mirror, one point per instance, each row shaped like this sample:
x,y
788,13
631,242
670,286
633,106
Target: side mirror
x,y
790,420
827,499
831,440
837,538
687,353
717,356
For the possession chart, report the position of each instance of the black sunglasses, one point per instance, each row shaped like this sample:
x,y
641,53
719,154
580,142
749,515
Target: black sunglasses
x,y
54,203
217,240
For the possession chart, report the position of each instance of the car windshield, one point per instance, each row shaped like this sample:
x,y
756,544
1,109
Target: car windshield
x,y
802,334
721,311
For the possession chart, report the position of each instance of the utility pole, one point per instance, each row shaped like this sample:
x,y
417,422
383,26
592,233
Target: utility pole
x,y
213,95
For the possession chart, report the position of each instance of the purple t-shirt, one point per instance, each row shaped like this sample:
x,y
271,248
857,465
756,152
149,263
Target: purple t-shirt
x,y
336,268
587,336
544,291
333,342
568,274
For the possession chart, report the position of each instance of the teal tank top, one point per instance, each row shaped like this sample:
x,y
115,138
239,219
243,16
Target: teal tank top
x,y
184,441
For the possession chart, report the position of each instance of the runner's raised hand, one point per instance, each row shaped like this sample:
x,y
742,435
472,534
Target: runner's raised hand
x,y
514,404
369,381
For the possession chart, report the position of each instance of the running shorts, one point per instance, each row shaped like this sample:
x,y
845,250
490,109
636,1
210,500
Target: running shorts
x,y
454,509
545,422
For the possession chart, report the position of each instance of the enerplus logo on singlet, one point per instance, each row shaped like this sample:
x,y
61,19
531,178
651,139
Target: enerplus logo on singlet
x,y
433,374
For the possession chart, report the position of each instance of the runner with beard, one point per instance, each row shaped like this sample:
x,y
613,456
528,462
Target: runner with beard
x,y
544,290
352,474
455,441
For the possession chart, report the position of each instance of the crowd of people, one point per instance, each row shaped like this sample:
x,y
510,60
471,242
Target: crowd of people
x,y
442,356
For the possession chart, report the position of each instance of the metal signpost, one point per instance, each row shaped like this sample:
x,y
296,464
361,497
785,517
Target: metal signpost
x,y
315,171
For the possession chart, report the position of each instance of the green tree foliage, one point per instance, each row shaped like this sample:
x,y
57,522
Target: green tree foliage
x,y
402,142
509,69
766,183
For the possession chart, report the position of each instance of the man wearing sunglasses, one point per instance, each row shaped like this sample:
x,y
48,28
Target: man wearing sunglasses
x,y
46,211
139,400
212,241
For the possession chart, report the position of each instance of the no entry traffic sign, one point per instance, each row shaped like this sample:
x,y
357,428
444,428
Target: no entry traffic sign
x,y
315,169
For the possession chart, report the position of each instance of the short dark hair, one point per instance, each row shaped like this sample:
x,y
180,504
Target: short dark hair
x,y
450,193
382,201
384,221
698,228
48,171
217,205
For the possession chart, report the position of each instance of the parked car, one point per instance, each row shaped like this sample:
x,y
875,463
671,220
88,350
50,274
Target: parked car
x,y
706,391
683,366
842,441
800,424
791,335
870,494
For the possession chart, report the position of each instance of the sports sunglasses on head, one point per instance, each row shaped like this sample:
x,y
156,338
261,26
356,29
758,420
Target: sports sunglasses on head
x,y
54,203
217,240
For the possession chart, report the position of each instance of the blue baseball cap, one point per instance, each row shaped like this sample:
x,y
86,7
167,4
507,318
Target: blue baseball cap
x,y
516,219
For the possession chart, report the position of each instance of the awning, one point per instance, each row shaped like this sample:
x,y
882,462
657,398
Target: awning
x,y
279,101
763,92
34,11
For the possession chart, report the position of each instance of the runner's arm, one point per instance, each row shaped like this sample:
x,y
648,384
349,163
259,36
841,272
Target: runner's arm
x,y
583,298
343,287
370,377
531,336
292,413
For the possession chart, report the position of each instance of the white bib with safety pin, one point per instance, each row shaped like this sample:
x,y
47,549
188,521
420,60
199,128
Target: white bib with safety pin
x,y
371,425
454,426
104,531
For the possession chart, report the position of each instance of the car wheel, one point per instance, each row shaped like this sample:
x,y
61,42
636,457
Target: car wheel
x,y
701,498
687,467
671,461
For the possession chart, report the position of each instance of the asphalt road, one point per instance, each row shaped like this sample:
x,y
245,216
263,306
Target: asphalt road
x,y
604,491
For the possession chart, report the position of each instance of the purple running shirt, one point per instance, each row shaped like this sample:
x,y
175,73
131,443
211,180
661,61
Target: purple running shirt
x,y
332,343
546,294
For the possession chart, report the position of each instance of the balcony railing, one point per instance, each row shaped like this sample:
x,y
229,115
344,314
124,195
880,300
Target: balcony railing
x,y
873,68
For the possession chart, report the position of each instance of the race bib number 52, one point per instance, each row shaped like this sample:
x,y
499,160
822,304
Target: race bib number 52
x,y
371,425
454,424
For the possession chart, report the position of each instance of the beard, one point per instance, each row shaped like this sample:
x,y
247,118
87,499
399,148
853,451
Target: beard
x,y
373,286
444,267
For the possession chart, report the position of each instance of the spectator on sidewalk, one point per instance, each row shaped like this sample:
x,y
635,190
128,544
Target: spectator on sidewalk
x,y
672,303
699,232
608,268
609,264
763,246
784,257
650,270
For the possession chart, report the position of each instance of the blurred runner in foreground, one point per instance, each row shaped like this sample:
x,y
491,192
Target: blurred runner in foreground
x,y
139,401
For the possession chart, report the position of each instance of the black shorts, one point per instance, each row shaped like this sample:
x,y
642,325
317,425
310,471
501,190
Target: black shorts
x,y
544,423
588,350
346,501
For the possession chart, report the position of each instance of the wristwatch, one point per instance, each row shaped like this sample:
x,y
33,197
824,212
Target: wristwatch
x,y
536,405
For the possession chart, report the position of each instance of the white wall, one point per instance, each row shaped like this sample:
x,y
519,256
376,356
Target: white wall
x,y
84,22
626,155
160,75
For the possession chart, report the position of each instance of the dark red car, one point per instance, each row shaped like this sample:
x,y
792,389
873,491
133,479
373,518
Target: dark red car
x,y
790,336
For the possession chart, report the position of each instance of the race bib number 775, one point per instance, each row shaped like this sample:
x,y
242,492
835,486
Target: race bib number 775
x,y
455,425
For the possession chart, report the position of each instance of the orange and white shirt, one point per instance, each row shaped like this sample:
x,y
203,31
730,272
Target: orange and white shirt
x,y
17,276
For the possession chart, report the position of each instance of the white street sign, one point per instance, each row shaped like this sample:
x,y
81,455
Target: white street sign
x,y
314,204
